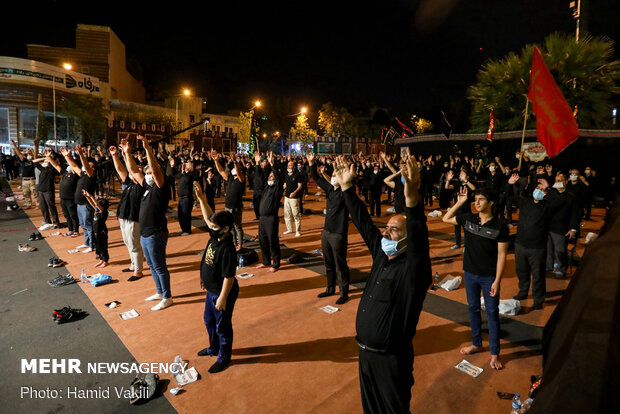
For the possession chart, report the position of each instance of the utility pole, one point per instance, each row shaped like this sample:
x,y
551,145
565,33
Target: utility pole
x,y
575,6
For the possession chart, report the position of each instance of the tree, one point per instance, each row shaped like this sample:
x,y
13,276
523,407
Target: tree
x,y
88,114
245,119
302,131
584,72
336,122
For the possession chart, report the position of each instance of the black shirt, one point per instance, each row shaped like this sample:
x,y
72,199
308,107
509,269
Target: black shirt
x,y
481,243
46,178
219,261
535,219
495,181
68,184
270,200
99,219
84,183
260,178
129,206
27,168
399,195
395,290
567,215
153,209
186,183
234,193
292,181
337,217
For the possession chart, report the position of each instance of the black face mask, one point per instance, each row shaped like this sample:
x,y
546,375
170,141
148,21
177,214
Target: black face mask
x,y
214,233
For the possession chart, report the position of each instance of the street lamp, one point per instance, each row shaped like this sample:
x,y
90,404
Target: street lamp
x,y
67,66
186,92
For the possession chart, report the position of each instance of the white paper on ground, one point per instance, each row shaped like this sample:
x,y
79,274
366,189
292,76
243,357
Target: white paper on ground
x,y
187,377
450,282
129,314
244,275
468,368
329,309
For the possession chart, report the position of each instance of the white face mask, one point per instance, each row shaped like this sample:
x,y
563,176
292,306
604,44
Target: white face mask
x,y
491,168
574,177
290,170
69,169
367,164
45,164
376,172
29,157
271,183
233,171
559,185
445,165
517,156
588,172
149,179
334,181
83,169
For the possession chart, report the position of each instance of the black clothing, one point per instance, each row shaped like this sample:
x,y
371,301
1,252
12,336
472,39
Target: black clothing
x,y
153,207
219,261
186,183
84,183
337,217
46,177
185,213
129,205
269,239
47,203
292,181
69,210
68,184
27,168
481,243
495,182
234,194
334,247
399,196
567,216
100,231
270,200
535,219
531,260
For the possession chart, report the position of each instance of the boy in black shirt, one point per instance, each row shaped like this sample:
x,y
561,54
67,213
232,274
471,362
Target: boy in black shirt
x,y
68,184
217,276
48,167
486,246
100,230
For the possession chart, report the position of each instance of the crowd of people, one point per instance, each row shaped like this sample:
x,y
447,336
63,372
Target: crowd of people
x,y
551,205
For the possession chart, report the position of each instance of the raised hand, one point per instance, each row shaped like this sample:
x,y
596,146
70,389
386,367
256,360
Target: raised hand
x,y
543,182
125,146
112,150
63,151
198,191
270,157
513,178
144,140
345,173
257,157
462,196
411,175
310,157
497,160
450,175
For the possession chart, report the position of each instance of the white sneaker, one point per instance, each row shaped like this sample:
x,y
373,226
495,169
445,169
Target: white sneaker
x,y
81,246
287,232
156,296
90,249
298,234
162,305
46,226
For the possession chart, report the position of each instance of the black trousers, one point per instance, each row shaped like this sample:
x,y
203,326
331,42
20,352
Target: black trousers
x,y
334,246
268,230
256,202
69,210
101,244
47,203
171,182
531,261
185,213
375,204
386,381
457,234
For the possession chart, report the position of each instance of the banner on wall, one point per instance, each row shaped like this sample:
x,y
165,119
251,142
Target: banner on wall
x,y
535,151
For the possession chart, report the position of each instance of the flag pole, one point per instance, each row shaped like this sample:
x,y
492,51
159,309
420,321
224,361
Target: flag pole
x,y
527,105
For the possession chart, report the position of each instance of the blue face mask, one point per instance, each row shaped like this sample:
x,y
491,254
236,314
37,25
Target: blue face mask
x,y
402,180
538,194
389,247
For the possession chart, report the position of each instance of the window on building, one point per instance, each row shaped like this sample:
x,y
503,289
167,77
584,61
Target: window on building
x,y
4,125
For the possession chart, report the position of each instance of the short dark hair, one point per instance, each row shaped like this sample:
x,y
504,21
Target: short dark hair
x,y
223,218
487,193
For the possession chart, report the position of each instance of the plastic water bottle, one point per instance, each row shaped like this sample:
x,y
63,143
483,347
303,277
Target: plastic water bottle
x,y
516,404
527,404
436,278
83,277
241,262
555,268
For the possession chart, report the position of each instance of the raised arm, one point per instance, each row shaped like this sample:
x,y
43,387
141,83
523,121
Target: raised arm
x,y
67,154
219,168
118,165
462,199
85,164
53,162
154,167
17,151
389,164
132,167
499,164
204,206
318,178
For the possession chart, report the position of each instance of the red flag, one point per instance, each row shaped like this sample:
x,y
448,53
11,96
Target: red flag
x,y
556,127
404,127
491,127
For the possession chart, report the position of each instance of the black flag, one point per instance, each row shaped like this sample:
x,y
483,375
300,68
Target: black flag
x,y
446,128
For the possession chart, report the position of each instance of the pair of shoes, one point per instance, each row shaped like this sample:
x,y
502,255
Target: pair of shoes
x,y
218,367
298,234
157,296
133,278
67,234
520,296
35,237
162,305
536,306
206,352
26,248
67,314
62,280
46,226
75,234
88,250
184,233
55,262
287,232
325,294
456,246
81,246
342,299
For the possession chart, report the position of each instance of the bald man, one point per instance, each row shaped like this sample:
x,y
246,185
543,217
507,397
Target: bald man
x,y
390,307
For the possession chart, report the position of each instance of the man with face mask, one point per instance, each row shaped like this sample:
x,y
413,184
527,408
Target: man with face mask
x,y
563,227
293,186
456,186
589,181
28,176
334,238
48,167
152,219
260,181
269,220
234,195
576,186
186,178
375,186
218,269
128,214
390,307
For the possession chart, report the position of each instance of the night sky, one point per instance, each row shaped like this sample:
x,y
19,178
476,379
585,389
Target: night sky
x,y
408,56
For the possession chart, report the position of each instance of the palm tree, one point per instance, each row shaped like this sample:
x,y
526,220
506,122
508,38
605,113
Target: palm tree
x,y
584,72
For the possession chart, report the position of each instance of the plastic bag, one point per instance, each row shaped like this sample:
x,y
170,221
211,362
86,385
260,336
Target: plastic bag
x,y
450,282
506,306
99,279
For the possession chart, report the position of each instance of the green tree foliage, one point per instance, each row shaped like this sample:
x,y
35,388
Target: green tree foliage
x,y
336,122
302,131
584,72
89,116
245,120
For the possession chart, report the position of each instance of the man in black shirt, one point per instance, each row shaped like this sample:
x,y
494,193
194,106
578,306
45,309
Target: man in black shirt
x,y
68,184
375,187
260,182
152,218
269,221
395,290
334,238
186,178
234,196
48,167
486,246
217,276
128,214
293,186
28,177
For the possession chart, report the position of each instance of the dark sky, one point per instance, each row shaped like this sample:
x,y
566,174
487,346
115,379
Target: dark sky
x,y
410,56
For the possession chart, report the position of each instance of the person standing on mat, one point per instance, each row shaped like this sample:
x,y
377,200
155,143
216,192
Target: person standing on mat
x,y
334,238
486,246
152,219
390,307
186,178
217,276
269,221
234,196
128,214
293,186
